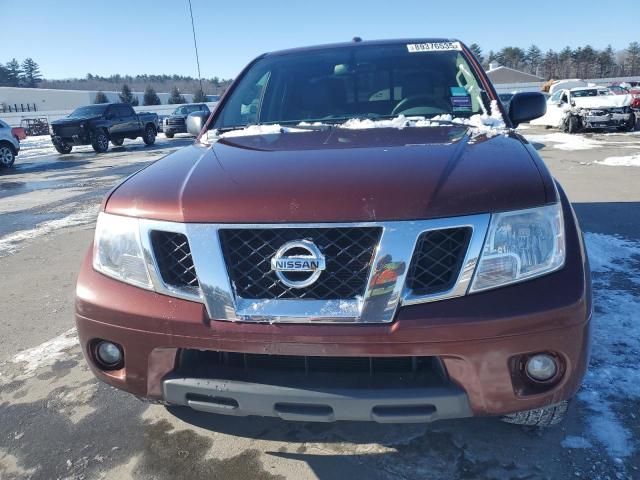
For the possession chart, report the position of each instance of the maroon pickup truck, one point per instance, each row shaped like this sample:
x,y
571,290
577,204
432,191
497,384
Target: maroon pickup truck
x,y
357,234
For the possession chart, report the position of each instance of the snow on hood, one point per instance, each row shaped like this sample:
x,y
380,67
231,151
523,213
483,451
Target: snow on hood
x,y
271,129
485,123
603,101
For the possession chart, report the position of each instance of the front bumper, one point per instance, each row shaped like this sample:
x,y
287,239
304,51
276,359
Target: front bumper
x,y
81,138
179,128
477,339
609,120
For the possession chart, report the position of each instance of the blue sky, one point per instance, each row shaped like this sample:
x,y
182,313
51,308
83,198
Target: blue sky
x,y
69,38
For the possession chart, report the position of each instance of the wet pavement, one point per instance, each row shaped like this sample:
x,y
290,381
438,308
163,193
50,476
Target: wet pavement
x,y
57,421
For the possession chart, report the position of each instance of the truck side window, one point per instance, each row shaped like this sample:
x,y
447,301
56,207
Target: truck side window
x,y
243,109
125,110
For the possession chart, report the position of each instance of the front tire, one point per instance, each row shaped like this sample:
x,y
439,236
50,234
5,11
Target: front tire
x,y
63,148
100,141
168,134
631,124
149,137
7,156
117,141
539,417
574,125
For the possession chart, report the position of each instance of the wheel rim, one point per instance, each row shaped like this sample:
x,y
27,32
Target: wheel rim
x,y
150,134
6,156
103,143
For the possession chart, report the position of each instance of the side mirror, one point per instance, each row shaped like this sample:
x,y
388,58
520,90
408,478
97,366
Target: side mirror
x,y
195,122
526,106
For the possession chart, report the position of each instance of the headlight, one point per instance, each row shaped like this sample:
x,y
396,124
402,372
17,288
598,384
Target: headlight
x,y
520,245
117,251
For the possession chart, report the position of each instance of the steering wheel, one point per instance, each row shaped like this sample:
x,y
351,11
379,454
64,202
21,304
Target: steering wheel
x,y
435,104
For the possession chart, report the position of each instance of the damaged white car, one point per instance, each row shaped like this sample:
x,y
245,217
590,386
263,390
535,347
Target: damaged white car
x,y
581,108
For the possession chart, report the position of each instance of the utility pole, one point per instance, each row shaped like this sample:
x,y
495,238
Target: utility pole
x,y
195,44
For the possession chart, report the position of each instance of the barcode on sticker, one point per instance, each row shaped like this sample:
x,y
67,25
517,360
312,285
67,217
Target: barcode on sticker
x,y
433,47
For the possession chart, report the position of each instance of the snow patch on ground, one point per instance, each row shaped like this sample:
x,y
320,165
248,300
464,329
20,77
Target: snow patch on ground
x,y
32,147
613,379
575,442
9,243
628,161
566,141
46,353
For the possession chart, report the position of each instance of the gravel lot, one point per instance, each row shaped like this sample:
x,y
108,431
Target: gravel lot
x,y
56,421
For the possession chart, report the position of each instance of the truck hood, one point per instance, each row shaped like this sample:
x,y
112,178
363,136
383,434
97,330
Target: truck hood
x,y
73,120
603,101
336,176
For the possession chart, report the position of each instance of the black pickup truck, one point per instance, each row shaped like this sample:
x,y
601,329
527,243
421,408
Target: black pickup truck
x,y
96,125
176,122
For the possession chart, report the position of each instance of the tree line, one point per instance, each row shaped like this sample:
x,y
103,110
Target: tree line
x,y
580,62
150,96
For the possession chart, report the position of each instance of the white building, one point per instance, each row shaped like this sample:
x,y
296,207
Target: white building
x,y
45,99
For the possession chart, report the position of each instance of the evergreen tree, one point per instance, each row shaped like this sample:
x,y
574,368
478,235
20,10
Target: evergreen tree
x,y
100,98
633,59
533,59
199,96
31,73
127,97
4,76
477,52
14,73
606,62
176,97
150,96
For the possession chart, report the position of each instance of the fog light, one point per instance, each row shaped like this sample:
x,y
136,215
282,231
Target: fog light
x,y
541,367
109,354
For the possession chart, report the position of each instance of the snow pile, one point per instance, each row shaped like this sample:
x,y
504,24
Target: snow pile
x,y
566,141
492,123
628,161
613,379
260,130
484,123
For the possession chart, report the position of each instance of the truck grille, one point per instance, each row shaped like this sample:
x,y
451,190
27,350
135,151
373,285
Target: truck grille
x,y
354,372
175,121
66,132
174,260
348,251
437,260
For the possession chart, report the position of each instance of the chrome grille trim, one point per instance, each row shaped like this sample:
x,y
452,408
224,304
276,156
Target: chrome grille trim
x,y
397,242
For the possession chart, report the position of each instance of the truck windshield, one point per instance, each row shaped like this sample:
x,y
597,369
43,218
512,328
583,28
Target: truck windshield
x,y
585,93
187,109
335,84
89,110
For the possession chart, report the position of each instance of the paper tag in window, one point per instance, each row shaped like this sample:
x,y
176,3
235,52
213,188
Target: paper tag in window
x,y
433,47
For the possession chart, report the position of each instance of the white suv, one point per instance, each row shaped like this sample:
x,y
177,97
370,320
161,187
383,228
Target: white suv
x,y
9,145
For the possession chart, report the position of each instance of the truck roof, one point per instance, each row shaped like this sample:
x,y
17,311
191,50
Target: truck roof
x,y
363,43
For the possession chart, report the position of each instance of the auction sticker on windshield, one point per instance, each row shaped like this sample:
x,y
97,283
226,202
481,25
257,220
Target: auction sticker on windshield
x,y
433,47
